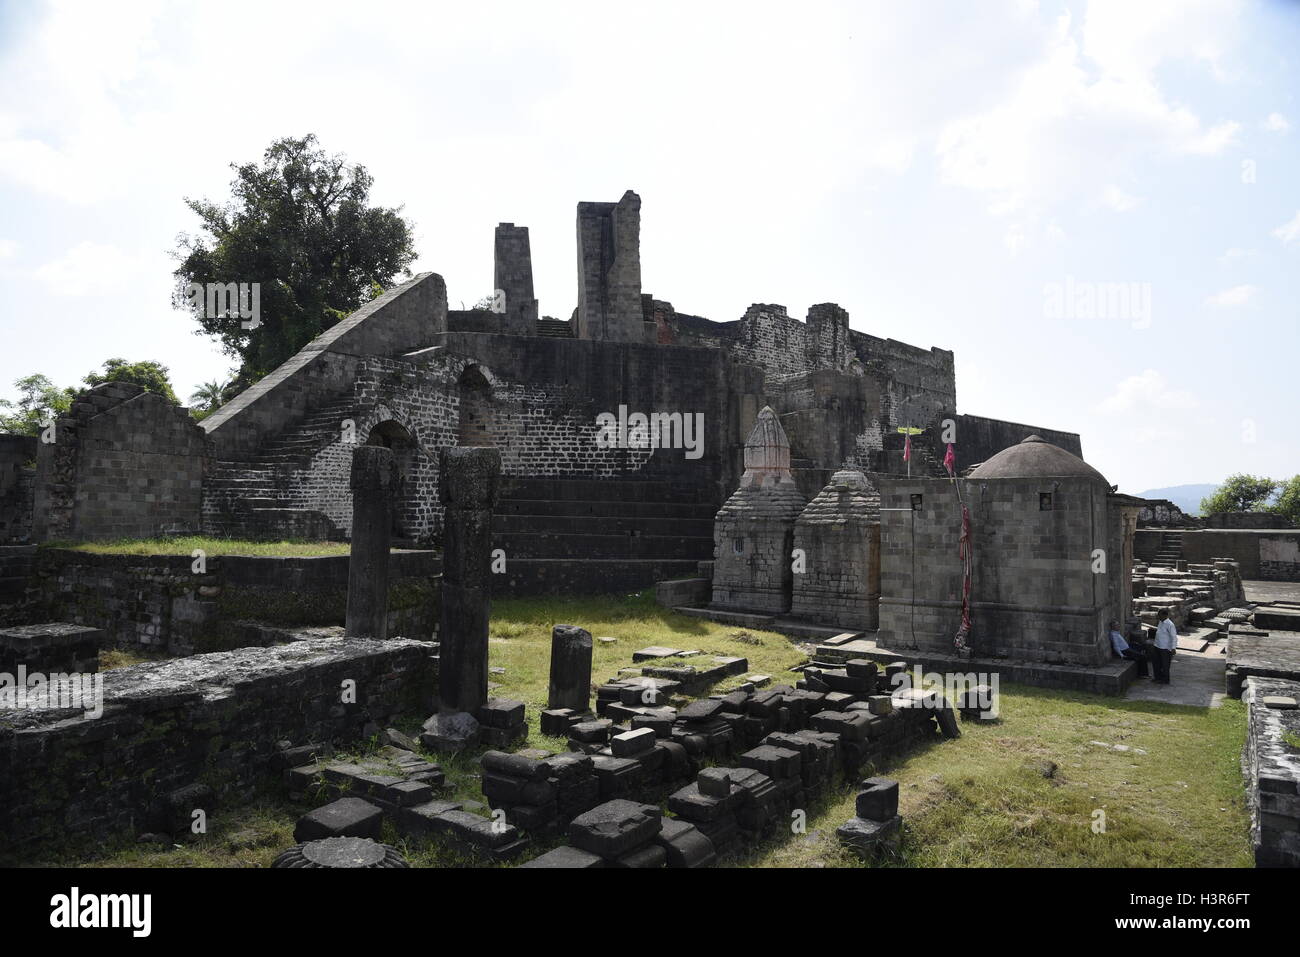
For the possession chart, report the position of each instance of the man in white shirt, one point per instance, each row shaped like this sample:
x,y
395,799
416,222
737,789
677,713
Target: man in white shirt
x,y
1125,650
1165,643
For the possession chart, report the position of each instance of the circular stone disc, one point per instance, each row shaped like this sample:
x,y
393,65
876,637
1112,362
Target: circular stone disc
x,y
344,852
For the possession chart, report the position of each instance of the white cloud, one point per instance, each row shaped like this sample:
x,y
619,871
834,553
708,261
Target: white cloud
x,y
1090,106
1276,123
8,248
1235,253
90,269
1236,296
1118,200
1289,231
1147,392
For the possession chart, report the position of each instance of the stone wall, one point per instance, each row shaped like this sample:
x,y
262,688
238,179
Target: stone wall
x,y
159,603
17,487
1034,595
404,318
125,463
194,733
1272,771
980,438
1264,555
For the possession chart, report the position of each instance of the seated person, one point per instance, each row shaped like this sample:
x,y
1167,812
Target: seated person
x,y
1132,652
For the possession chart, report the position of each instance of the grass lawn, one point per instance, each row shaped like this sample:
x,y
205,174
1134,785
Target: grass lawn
x,y
186,544
1020,792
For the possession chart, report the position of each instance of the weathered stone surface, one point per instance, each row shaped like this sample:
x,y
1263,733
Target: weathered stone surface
x,y
615,827
450,732
346,817
373,481
340,852
878,799
566,856
570,676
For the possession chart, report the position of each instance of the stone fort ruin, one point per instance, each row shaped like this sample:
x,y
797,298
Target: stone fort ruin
x,y
407,372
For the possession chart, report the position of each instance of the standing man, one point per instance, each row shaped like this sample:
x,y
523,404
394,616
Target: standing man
x,y
1165,643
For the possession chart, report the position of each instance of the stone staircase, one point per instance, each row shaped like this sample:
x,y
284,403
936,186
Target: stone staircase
x,y
599,535
249,497
554,328
1171,549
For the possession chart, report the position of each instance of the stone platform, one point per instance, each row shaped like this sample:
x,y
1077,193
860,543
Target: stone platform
x,y
790,627
1276,655
1112,678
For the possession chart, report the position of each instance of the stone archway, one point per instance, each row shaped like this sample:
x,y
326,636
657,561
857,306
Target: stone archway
x,y
393,435
477,415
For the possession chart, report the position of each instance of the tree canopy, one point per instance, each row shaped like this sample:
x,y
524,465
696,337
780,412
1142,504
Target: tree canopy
x,y
40,400
1239,493
149,375
300,225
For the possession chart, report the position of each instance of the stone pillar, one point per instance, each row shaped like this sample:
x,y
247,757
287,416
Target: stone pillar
x,y
467,483
609,272
374,479
513,275
570,668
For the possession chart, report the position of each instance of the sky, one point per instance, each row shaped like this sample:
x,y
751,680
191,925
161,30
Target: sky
x,y
1095,205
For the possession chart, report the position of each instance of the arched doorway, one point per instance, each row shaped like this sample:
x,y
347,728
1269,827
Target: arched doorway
x,y
393,435
476,414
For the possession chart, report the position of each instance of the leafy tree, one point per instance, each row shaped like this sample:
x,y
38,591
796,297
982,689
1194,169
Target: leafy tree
x,y
40,400
1239,493
301,226
209,396
1288,500
149,375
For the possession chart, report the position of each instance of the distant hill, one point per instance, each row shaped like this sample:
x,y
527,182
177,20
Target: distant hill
x,y
1186,497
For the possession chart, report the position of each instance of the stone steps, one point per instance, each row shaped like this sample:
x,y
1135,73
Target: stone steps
x,y
608,525
569,544
533,508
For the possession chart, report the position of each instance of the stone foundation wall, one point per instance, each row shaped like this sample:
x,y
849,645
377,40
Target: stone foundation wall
x,y
216,721
17,487
125,463
159,604
1272,771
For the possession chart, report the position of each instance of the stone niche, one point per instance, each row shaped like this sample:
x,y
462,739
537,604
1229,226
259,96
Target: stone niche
x,y
839,535
753,533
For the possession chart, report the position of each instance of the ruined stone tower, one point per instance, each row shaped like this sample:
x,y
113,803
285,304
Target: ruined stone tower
x,y
609,271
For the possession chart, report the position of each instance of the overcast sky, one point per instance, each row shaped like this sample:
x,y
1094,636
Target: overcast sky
x,y
958,174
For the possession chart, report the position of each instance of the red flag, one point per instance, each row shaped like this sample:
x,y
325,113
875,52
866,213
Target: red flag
x,y
950,459
907,448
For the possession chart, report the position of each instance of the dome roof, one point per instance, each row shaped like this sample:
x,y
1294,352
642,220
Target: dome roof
x,y
1035,457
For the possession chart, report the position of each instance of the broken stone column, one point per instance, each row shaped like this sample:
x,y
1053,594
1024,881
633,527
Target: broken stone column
x,y
570,668
374,479
468,488
754,530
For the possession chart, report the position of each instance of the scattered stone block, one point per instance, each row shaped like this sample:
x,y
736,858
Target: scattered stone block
x,y
565,856
340,852
346,817
450,732
632,743
878,799
615,827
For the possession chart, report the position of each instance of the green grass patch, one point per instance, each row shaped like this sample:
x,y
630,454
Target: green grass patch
x,y
987,800
186,544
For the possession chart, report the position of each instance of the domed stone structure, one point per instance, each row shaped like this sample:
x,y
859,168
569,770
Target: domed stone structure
x,y
753,531
1035,457
837,552
1051,558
